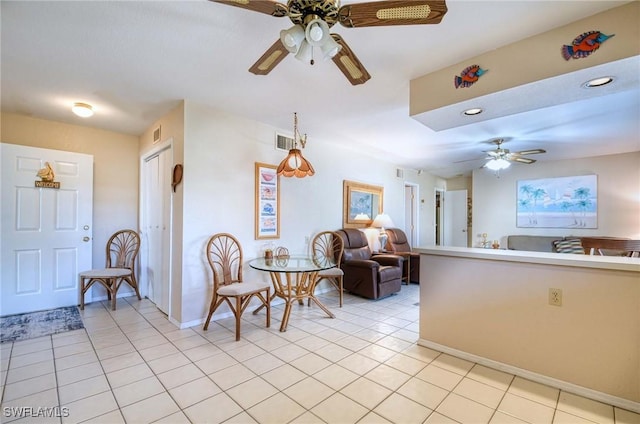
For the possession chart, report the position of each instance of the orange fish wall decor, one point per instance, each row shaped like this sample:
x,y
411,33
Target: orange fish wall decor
x,y
468,76
584,45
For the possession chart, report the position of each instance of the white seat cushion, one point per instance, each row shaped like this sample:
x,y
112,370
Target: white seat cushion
x,y
106,273
240,289
331,272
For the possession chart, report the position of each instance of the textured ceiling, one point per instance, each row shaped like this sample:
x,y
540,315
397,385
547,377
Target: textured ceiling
x,y
135,61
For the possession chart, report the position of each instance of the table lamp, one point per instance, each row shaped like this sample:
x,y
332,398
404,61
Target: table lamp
x,y
382,220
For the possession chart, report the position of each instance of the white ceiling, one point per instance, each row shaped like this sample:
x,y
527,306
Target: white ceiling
x,y
135,61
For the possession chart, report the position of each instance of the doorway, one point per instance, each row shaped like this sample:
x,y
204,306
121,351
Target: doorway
x,y
411,213
155,222
46,231
439,228
454,218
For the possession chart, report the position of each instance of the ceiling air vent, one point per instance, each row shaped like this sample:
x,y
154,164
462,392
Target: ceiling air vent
x,y
283,142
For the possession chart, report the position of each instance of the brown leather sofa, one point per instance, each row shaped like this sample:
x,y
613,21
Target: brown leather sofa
x,y
369,276
397,243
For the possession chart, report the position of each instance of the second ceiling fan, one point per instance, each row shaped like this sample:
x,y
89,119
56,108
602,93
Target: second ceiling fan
x,y
312,20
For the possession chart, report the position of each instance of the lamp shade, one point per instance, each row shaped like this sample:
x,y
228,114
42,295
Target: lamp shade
x,y
317,32
305,53
382,220
292,38
330,48
362,217
295,165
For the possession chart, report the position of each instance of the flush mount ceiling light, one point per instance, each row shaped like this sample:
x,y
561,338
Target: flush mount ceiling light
x,y
295,165
597,82
83,110
473,111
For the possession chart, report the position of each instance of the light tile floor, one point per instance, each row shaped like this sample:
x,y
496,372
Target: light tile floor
x,y
132,365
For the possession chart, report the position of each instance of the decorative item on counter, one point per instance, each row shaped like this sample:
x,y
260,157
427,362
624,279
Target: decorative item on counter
x,y
484,243
495,244
468,76
268,254
584,45
282,253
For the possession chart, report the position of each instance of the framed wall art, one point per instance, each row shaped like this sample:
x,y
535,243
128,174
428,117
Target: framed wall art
x,y
267,217
565,202
361,204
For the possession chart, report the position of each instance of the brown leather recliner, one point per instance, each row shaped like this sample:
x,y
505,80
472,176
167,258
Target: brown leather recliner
x,y
369,276
398,243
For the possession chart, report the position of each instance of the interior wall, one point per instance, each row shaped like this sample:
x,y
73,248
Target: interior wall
x,y
115,170
220,152
494,198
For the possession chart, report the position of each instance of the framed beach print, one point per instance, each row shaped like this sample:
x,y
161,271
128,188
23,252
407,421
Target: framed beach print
x,y
361,204
565,202
267,224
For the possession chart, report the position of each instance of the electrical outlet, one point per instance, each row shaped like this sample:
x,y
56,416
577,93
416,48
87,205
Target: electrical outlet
x,y
555,297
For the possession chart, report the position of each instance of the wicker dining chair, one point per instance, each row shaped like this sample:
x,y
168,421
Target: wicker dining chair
x,y
329,244
224,254
121,251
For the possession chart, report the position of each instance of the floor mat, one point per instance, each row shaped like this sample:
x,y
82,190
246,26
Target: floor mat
x,y
37,324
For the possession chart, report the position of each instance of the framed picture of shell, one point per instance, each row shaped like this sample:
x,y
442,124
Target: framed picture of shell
x,y
267,216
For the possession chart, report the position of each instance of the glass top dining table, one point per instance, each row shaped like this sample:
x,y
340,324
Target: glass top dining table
x,y
294,279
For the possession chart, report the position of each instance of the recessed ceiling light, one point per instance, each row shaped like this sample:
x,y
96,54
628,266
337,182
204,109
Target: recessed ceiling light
x,y
473,111
83,110
597,82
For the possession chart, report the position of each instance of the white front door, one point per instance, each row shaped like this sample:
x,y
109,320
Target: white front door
x,y
455,218
46,232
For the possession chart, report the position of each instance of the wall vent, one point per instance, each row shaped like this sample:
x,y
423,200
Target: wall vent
x,y
399,173
284,142
156,134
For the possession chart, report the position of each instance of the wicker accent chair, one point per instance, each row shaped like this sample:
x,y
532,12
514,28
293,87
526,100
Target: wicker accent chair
x,y
224,254
122,250
329,244
398,244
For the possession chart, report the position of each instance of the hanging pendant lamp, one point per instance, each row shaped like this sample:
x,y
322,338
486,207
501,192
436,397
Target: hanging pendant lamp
x,y
295,165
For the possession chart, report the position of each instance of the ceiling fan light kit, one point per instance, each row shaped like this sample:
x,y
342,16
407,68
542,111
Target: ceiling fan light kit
x,y
313,20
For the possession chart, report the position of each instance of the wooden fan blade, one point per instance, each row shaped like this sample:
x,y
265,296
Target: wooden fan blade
x,y
270,59
349,63
392,12
530,152
269,7
522,160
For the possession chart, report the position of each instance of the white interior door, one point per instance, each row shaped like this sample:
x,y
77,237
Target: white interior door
x,y
455,218
156,225
46,232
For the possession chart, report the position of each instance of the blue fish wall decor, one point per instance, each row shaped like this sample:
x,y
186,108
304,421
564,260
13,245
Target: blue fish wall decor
x,y
584,45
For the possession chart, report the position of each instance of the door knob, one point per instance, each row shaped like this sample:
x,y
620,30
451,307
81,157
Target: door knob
x,y
85,239
86,227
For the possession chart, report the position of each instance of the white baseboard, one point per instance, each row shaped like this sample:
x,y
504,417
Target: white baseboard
x,y
538,378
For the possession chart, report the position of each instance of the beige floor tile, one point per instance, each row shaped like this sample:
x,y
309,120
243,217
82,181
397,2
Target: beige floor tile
x,y
526,409
310,363
502,418
186,343
243,352
283,376
47,398
394,343
436,418
241,418
31,346
377,353
28,387
389,377
150,409
167,363
406,364
289,352
75,360
464,410
358,363
397,408
251,392
440,377
70,337
339,409
215,363
179,376
93,406
307,418
624,416
72,349
113,417
129,375
29,371
335,376
216,409
422,392
122,361
82,389
277,409
176,418
232,376
148,342
309,392
535,391
81,372
159,351
479,392
491,377
421,353
263,363
201,352
31,358
333,352
366,392
453,364
373,418
194,391
585,408
137,391
561,417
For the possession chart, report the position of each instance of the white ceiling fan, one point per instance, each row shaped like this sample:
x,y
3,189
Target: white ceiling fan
x,y
501,158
